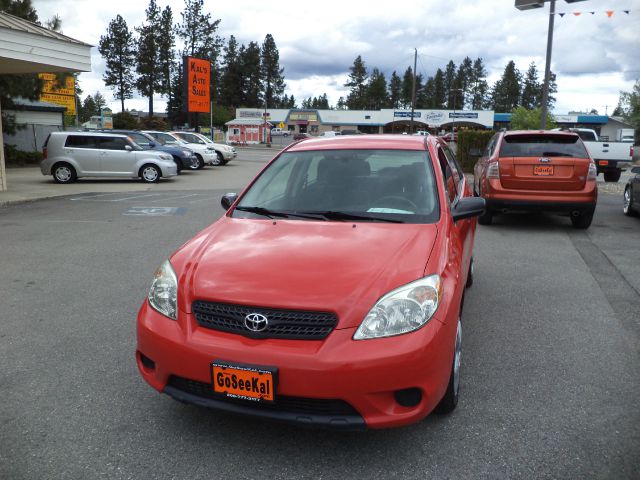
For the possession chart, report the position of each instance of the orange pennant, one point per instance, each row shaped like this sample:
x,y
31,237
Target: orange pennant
x,y
577,14
609,13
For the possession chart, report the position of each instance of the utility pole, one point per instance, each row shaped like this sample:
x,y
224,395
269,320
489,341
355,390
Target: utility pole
x,y
547,68
413,90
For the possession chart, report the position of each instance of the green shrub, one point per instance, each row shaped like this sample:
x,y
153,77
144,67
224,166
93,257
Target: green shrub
x,y
468,140
17,158
125,121
153,123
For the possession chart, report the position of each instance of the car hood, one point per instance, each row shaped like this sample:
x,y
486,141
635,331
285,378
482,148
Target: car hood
x,y
342,267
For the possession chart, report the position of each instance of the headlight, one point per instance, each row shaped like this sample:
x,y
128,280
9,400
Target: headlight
x,y
165,156
163,294
186,153
402,310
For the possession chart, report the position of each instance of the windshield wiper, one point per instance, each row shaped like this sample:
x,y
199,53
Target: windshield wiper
x,y
336,215
265,212
279,213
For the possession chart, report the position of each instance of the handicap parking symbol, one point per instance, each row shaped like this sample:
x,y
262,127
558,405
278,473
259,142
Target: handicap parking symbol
x,y
154,211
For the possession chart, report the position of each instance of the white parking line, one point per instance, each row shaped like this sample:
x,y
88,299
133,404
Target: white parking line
x,y
87,197
168,199
135,196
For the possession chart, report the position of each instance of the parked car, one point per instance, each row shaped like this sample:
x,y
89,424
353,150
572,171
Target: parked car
x,y
205,154
72,155
279,132
224,153
422,133
612,158
301,136
540,171
183,157
632,194
330,292
330,133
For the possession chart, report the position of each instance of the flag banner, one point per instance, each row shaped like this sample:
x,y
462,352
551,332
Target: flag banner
x,y
608,13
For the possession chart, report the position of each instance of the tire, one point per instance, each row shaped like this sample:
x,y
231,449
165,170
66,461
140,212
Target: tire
x,y
612,175
470,274
451,396
195,164
64,173
178,163
200,162
582,221
219,159
628,207
486,218
150,173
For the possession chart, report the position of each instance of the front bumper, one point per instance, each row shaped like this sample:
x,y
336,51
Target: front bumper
x,y
365,374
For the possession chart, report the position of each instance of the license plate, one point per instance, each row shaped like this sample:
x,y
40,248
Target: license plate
x,y
543,170
246,382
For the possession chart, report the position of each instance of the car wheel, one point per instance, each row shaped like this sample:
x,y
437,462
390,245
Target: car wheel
x,y
63,173
472,269
612,176
583,220
178,163
200,162
628,207
150,173
219,159
450,399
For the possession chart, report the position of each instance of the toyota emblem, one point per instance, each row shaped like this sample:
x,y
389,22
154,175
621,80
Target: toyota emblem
x,y
256,322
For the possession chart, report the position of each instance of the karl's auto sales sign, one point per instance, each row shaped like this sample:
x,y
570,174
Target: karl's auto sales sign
x,y
196,81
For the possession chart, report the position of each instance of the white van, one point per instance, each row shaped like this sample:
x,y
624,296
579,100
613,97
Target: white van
x,y
72,155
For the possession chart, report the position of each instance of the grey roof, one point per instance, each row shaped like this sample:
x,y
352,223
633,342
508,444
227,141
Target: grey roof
x,y
24,104
16,23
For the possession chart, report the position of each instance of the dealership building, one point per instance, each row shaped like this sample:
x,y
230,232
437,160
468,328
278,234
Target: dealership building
x,y
251,125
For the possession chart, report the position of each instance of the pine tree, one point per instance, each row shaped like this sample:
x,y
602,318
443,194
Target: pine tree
x,y
99,101
478,86
251,80
231,75
427,95
553,88
505,95
166,54
395,89
148,65
357,83
198,32
531,89
87,109
376,93
406,94
463,83
449,83
117,48
439,90
271,74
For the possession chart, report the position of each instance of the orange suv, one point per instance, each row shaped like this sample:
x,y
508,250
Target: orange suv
x,y
537,171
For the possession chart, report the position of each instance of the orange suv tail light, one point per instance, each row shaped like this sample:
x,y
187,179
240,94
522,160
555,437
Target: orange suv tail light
x,y
493,170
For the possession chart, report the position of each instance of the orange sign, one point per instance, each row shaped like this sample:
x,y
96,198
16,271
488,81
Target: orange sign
x,y
197,80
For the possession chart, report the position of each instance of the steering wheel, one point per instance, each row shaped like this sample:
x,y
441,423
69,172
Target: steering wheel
x,y
394,201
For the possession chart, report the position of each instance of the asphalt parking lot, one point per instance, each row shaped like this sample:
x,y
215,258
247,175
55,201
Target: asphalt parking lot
x,y
551,368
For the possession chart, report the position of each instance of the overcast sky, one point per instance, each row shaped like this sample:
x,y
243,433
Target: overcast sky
x,y
594,56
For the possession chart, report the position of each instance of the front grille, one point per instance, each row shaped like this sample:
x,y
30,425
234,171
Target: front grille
x,y
294,405
287,324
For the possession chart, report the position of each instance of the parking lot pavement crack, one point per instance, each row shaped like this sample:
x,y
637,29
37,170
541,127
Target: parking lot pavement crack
x,y
623,298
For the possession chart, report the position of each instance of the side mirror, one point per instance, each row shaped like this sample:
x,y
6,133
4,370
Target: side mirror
x,y
152,144
128,148
468,207
228,199
475,152
635,170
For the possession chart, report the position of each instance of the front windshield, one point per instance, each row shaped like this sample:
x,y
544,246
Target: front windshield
x,y
368,185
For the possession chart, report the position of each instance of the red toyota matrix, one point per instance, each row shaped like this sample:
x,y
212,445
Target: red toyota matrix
x,y
330,292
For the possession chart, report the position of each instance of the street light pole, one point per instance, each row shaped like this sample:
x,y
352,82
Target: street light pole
x,y
547,68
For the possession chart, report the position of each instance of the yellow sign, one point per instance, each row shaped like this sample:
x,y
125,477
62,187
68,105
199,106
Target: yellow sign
x,y
63,100
68,87
281,125
302,116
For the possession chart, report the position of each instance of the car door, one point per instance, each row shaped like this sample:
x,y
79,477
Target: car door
x,y
116,159
460,233
83,150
